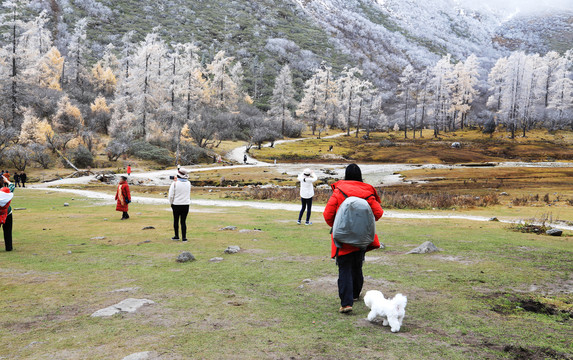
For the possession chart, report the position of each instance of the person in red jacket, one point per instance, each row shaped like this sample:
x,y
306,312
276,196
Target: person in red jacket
x,y
350,258
123,197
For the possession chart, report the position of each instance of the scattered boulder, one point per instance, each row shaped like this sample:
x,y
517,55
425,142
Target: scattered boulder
x,y
185,256
306,281
456,145
494,219
107,177
66,204
18,209
554,232
128,289
128,305
232,249
98,238
148,228
242,231
216,259
426,247
503,193
228,228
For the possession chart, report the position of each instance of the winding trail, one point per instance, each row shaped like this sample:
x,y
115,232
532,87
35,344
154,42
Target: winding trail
x,y
375,174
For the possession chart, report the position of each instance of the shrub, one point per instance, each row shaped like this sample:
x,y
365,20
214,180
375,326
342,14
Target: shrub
x,y
115,148
82,157
147,151
190,154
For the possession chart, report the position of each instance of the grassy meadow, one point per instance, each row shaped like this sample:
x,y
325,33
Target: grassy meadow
x,y
490,293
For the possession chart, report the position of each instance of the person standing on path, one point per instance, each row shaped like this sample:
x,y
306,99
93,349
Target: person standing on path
x,y
245,159
128,170
123,197
23,178
350,258
16,179
6,195
306,179
180,198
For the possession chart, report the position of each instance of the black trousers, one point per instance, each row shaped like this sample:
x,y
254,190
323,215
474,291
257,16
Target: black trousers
x,y
350,278
7,227
306,204
180,215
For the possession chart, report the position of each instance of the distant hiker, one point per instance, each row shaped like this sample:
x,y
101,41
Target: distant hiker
x,y
6,195
16,179
180,198
245,159
306,179
350,258
331,147
6,174
128,170
123,197
23,178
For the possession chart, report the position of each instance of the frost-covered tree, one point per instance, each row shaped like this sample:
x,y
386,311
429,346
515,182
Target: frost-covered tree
x,y
441,85
406,87
222,90
282,100
562,90
349,85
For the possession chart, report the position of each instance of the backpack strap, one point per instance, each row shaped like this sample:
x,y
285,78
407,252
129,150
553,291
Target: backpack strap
x,y
342,192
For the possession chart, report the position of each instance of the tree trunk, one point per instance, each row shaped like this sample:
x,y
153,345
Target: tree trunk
x,y
349,113
359,116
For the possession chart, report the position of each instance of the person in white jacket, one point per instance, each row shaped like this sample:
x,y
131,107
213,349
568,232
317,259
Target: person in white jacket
x,y
180,198
306,179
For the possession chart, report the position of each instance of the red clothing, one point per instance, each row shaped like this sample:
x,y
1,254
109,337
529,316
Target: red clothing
x,y
351,188
128,170
123,198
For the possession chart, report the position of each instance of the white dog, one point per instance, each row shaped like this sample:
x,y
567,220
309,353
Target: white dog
x,y
392,311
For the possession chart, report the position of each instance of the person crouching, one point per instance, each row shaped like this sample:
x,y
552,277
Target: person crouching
x,y
123,197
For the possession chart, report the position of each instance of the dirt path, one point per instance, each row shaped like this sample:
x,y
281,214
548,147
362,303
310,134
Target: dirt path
x,y
109,199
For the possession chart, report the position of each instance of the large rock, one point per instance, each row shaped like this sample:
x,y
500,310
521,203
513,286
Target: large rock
x,y
554,232
427,247
232,250
185,256
128,305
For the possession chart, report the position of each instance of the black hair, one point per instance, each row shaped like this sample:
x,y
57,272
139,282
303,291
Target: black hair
x,y
124,178
353,173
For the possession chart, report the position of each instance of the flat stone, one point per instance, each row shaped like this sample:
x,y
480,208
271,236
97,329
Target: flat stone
x,y
138,213
98,238
128,305
185,256
306,281
232,249
554,232
66,204
493,219
144,355
243,231
503,193
216,259
18,209
144,242
426,247
228,228
128,289
148,228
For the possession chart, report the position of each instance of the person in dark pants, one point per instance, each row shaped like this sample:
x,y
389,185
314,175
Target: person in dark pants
x,y
306,179
6,195
245,159
180,198
23,178
350,258
16,179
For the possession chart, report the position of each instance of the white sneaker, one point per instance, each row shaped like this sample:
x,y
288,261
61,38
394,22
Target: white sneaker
x,y
298,222
308,223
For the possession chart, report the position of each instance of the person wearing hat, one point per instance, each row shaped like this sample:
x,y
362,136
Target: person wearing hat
x,y
6,195
123,197
180,198
306,179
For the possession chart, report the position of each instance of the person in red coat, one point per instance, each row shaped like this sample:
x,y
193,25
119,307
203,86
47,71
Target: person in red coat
x,y
350,258
128,170
123,197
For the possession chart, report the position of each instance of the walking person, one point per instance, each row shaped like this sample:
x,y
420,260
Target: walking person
x,y
123,197
245,159
180,198
23,178
128,170
350,258
6,195
16,179
306,179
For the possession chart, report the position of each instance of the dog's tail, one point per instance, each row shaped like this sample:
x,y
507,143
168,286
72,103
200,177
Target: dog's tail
x,y
400,302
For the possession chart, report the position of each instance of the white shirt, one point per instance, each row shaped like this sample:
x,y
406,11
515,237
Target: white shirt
x,y
306,185
180,192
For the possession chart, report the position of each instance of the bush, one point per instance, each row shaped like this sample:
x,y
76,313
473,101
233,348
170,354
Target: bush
x,y
82,157
115,148
190,154
146,151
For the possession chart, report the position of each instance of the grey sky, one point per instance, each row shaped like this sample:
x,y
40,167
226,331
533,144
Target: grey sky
x,y
513,6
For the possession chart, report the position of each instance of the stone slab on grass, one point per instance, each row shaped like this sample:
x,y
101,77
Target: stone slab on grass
x,y
128,305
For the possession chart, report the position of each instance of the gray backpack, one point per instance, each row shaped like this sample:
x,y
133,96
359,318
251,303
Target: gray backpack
x,y
354,223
